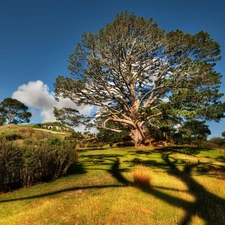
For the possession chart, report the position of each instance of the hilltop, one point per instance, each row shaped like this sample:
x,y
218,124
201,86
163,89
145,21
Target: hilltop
x,y
33,133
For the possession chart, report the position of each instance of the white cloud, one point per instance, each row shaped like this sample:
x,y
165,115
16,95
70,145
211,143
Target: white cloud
x,y
41,102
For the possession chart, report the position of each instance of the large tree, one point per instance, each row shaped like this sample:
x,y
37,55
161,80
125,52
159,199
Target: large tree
x,y
14,111
137,74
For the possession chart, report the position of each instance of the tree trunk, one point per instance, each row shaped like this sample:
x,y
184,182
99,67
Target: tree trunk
x,y
138,137
10,117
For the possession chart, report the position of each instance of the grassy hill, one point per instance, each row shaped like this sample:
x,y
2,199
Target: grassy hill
x,y
32,133
174,185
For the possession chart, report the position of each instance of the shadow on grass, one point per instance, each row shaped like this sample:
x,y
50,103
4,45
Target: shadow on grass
x,y
140,152
86,149
144,162
116,172
221,158
216,171
62,191
207,206
184,149
77,168
91,161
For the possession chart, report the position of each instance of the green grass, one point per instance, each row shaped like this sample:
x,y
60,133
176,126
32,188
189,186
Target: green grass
x,y
28,135
178,186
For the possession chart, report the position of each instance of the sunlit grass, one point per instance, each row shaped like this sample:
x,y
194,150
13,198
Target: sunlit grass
x,y
94,193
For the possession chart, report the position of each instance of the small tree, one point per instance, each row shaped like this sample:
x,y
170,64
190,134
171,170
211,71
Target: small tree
x,y
14,111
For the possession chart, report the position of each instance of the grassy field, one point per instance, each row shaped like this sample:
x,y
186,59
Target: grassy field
x,y
176,185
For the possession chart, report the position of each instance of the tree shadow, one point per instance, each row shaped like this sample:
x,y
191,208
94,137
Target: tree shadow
x,y
76,168
187,150
62,191
216,171
97,161
207,206
116,172
140,152
221,158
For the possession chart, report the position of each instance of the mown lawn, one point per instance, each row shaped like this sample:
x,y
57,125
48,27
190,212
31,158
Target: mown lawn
x,y
176,185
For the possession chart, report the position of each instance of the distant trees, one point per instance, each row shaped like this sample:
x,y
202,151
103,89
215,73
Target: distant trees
x,y
223,134
190,132
136,75
217,142
110,137
2,120
13,111
195,131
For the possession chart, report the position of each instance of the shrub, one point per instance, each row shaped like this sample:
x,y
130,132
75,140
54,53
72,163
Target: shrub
x,y
42,135
13,137
92,145
28,142
55,141
26,132
125,144
26,166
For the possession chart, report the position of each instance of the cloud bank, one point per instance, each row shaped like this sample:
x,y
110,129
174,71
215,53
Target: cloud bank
x,y
41,102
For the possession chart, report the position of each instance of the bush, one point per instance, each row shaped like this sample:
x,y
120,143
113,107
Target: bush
x,y
217,142
13,137
26,166
125,144
55,141
28,142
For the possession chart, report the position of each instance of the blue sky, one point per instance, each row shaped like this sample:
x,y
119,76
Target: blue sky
x,y
37,37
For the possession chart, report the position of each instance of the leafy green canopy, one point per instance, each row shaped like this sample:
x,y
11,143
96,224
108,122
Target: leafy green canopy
x,y
223,134
14,111
137,74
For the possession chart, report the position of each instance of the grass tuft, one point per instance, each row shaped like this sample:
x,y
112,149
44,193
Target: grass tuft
x,y
141,176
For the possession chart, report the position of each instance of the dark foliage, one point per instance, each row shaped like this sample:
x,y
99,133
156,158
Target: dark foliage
x,y
26,166
14,112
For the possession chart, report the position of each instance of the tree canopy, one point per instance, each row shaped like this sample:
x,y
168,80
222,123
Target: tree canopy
x,y
223,134
136,75
194,131
14,111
